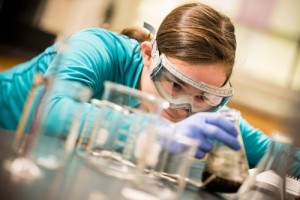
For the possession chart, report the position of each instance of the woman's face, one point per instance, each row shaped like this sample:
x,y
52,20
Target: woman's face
x,y
213,74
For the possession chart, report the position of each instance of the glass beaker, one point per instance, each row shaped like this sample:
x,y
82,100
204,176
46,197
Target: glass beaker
x,y
163,160
57,123
124,113
131,141
89,124
226,169
20,166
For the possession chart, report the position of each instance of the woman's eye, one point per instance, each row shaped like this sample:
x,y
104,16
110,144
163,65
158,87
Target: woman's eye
x,y
200,98
176,86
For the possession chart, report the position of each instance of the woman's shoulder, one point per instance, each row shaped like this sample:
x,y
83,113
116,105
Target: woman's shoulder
x,y
107,40
95,31
99,33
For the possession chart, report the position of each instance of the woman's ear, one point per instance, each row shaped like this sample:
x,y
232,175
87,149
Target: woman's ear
x,y
146,48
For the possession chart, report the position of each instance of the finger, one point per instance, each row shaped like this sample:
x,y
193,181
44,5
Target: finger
x,y
221,135
219,120
205,145
199,154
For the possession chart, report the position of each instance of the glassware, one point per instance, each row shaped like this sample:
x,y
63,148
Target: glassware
x,y
133,99
90,123
166,163
226,169
106,148
124,114
268,180
57,125
131,141
20,167
42,129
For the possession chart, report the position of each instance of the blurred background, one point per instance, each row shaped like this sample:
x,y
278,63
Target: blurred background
x,y
266,77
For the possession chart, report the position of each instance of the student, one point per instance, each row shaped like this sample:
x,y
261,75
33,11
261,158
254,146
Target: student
x,y
188,62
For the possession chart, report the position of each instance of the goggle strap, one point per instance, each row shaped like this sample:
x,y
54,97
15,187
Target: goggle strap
x,y
150,28
156,62
155,70
154,50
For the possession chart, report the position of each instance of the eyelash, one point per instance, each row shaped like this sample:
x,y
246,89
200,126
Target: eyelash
x,y
176,85
201,97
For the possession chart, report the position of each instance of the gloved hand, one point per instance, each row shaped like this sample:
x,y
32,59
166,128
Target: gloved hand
x,y
207,126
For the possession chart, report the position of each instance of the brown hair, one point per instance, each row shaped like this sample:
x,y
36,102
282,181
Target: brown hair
x,y
198,34
138,33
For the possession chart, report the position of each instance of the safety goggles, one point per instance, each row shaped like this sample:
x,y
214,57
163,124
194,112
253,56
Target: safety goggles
x,y
183,92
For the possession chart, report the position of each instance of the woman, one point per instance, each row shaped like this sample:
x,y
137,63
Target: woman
x,y
189,63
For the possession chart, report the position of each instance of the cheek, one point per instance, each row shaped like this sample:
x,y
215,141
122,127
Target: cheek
x,y
149,89
147,86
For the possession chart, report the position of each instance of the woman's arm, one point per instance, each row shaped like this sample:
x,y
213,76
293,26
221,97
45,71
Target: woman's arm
x,y
255,141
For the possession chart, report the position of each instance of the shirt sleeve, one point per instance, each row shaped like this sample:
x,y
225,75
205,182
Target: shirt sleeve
x,y
88,60
294,170
255,142
91,57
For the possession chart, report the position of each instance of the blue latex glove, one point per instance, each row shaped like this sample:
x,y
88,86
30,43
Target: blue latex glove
x,y
209,126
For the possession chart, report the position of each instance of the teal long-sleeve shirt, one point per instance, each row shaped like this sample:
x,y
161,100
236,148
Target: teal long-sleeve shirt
x,y
94,55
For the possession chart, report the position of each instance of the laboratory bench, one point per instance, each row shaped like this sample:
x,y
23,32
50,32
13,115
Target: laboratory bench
x,y
76,180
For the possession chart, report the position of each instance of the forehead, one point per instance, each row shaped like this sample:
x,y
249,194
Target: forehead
x,y
213,74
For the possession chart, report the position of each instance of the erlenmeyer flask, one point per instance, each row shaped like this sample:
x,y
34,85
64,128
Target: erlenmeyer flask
x,y
268,180
226,169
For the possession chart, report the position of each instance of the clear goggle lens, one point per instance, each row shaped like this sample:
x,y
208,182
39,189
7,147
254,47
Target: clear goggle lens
x,y
183,92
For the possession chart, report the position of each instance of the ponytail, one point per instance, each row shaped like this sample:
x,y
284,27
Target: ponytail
x,y
138,33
